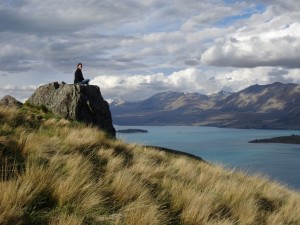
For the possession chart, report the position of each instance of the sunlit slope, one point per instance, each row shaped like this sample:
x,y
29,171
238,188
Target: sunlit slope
x,y
55,171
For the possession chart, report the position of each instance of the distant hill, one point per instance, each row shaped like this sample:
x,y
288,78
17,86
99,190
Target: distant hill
x,y
272,106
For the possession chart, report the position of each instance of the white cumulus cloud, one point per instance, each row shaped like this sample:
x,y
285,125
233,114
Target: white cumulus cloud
x,y
268,39
139,87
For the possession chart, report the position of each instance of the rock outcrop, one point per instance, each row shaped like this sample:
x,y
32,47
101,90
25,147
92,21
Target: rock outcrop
x,y
77,102
10,101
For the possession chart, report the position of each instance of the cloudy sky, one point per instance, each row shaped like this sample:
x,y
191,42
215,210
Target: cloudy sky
x,y
133,49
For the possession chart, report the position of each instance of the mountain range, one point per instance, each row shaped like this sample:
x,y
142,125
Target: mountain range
x,y
272,106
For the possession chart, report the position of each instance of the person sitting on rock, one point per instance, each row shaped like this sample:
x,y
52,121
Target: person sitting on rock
x,y
79,77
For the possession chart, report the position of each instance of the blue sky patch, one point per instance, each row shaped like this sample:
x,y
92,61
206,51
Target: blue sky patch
x,y
244,14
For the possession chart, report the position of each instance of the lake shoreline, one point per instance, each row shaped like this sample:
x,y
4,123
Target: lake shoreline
x,y
227,146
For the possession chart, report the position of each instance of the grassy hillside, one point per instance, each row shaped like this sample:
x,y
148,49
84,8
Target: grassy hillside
x,y
55,171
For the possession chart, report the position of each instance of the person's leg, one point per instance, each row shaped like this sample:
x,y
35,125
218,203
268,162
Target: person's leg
x,y
85,81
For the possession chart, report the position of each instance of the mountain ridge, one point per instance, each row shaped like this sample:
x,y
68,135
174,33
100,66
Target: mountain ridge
x,y
270,106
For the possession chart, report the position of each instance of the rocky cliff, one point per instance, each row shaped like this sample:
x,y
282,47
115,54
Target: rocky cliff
x,y
77,102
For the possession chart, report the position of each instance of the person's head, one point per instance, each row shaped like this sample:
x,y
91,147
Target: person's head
x,y
79,65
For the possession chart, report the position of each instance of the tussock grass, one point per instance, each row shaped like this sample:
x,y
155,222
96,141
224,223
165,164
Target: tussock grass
x,y
85,138
55,171
142,211
65,219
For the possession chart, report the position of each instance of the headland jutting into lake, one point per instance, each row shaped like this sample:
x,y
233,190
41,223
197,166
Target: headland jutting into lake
x,y
292,139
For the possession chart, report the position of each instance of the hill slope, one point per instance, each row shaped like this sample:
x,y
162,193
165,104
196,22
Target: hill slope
x,y
273,106
54,171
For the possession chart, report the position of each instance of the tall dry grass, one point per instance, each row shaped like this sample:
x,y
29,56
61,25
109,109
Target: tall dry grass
x,y
55,171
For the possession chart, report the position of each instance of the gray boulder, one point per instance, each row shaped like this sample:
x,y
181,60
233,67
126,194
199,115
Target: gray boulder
x,y
10,101
77,102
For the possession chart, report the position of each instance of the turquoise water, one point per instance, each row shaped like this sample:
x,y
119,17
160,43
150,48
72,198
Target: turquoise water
x,y
229,147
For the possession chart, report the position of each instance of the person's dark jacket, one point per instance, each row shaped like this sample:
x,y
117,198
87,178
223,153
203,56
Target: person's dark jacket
x,y
78,76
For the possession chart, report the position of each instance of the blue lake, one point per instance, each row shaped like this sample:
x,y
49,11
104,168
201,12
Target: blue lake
x,y
229,147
